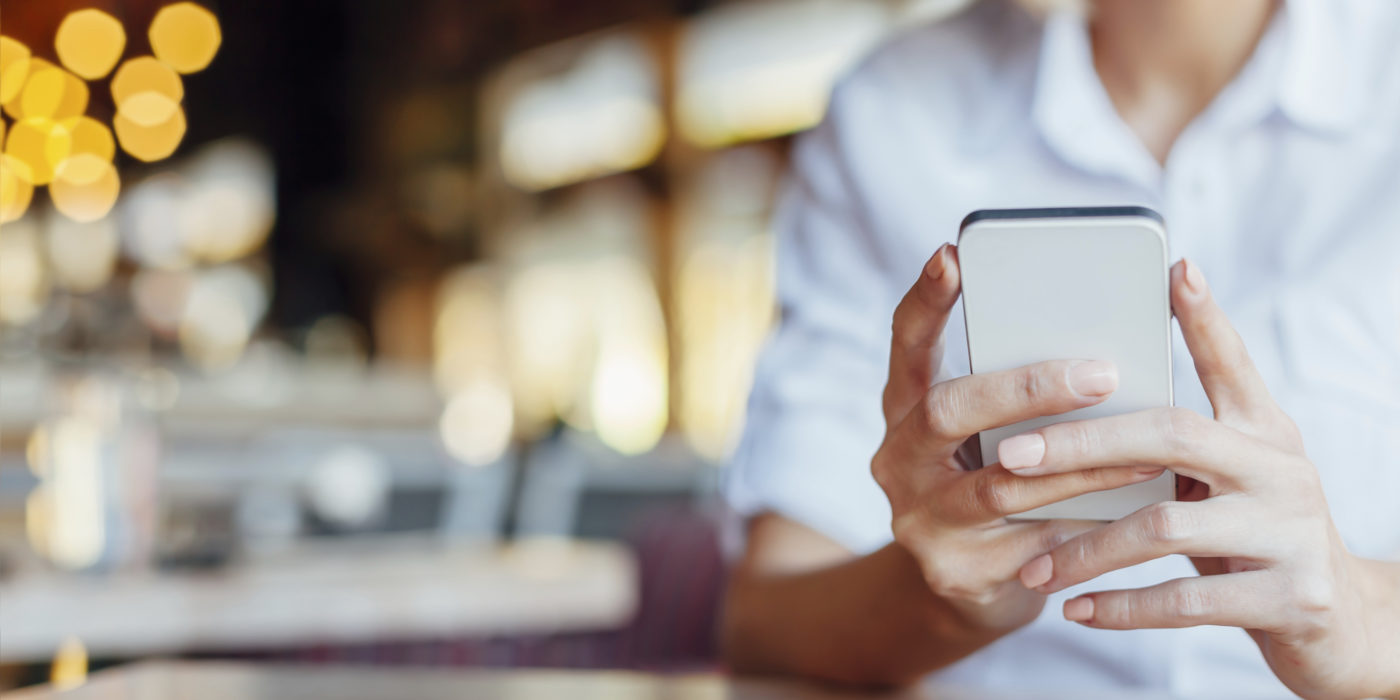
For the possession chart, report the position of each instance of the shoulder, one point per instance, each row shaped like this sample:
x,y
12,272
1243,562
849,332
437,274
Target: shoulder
x,y
951,85
965,59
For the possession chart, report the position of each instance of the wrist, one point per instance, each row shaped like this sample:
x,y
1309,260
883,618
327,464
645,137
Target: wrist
x,y
1380,598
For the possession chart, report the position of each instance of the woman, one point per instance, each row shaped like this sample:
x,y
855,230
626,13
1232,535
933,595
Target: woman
x,y
1268,134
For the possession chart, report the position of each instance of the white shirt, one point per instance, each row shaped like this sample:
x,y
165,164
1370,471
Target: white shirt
x,y
1286,191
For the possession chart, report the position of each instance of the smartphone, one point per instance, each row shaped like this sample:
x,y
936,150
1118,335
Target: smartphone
x,y
1085,283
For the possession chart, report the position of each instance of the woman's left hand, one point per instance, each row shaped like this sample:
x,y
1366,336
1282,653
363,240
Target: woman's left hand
x,y
1251,515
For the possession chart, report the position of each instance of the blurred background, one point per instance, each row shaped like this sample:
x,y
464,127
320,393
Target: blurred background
x,y
386,332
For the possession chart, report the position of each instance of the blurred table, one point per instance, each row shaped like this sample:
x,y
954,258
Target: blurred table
x,y
326,592
176,681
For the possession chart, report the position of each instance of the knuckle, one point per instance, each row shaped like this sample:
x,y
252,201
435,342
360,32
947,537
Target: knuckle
x,y
899,322
1071,558
1181,429
1288,431
880,470
942,578
910,532
1314,596
940,410
1054,533
995,496
1189,602
1028,385
1073,439
1167,522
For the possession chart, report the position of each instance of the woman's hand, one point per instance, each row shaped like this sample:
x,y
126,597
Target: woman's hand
x,y
949,515
1251,515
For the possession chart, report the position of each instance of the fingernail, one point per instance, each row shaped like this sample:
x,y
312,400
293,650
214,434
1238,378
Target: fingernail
x,y
1095,378
1195,281
1021,452
1037,573
1148,471
936,266
1079,609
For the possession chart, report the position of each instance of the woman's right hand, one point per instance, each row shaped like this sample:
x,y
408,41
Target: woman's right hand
x,y
949,515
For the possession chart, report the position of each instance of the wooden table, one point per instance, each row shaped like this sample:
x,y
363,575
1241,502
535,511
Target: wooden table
x,y
394,588
179,681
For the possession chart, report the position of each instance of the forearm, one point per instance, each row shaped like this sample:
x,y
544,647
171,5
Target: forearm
x,y
1381,591
871,620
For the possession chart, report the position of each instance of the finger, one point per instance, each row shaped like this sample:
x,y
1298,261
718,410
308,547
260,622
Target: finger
x,y
1208,529
1248,599
991,493
919,319
956,409
1178,439
1231,381
986,557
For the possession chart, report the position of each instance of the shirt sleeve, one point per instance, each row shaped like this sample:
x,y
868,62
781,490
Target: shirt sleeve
x,y
814,419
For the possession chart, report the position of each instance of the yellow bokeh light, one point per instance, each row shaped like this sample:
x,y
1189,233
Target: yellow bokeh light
x,y
89,42
185,36
33,66
146,74
85,187
149,108
36,520
151,143
54,93
70,665
39,143
14,68
86,135
16,188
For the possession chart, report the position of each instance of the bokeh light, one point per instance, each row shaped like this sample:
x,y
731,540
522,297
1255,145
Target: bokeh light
x,y
476,425
141,75
349,486
41,144
148,108
602,116
16,187
53,93
160,297
89,42
14,68
550,334
76,532
725,295
230,204
85,187
224,306
24,281
629,392
70,665
82,255
185,36
86,135
150,214
467,330
748,71
151,143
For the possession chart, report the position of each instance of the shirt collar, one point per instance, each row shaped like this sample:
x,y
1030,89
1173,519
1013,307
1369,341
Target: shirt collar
x,y
1317,85
1074,113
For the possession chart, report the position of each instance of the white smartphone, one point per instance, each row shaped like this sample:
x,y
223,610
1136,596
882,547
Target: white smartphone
x,y
1075,283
